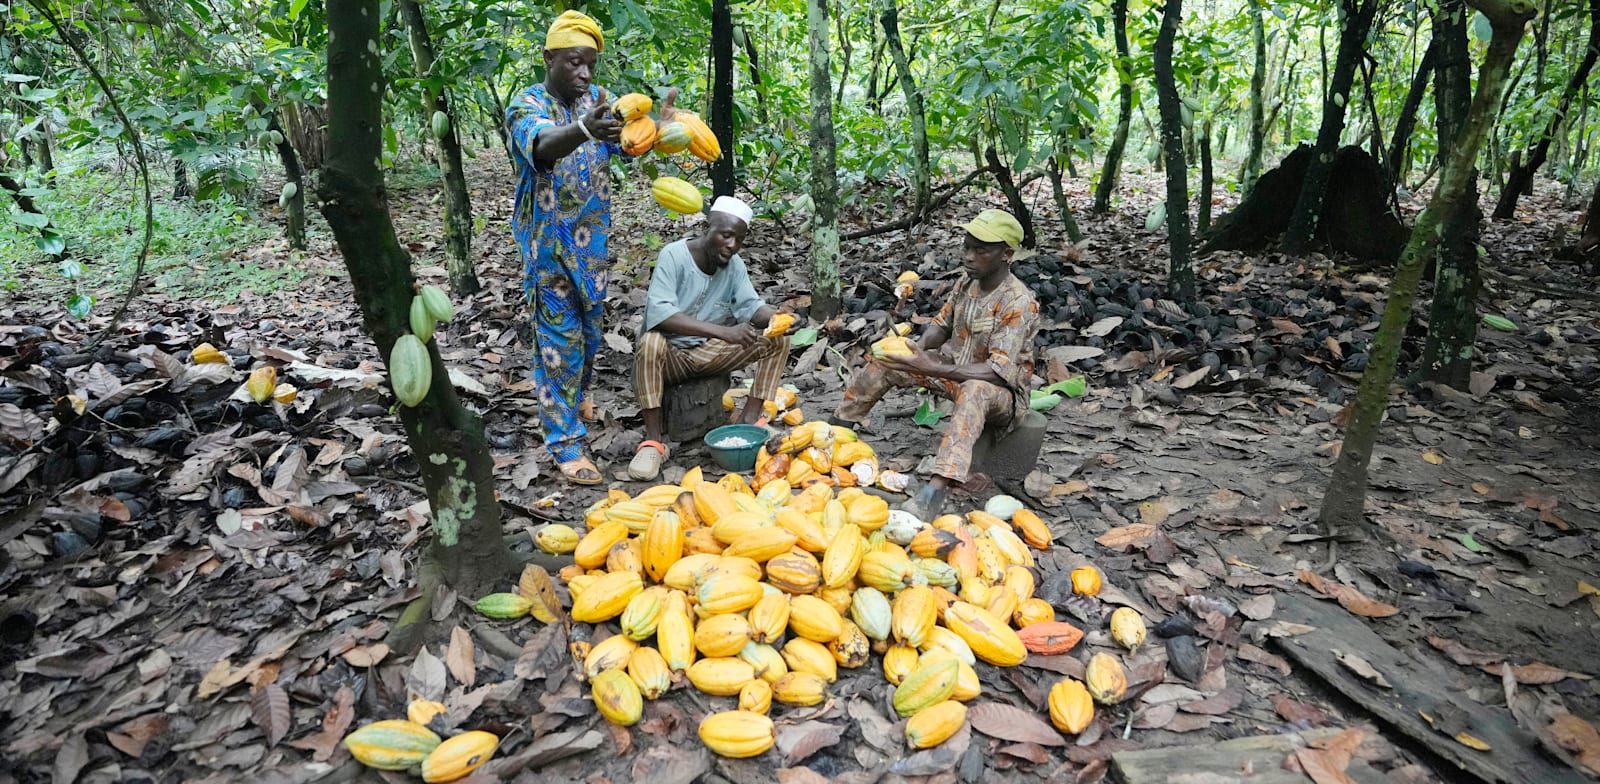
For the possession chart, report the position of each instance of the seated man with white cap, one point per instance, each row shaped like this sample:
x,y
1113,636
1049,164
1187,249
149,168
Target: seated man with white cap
x,y
703,317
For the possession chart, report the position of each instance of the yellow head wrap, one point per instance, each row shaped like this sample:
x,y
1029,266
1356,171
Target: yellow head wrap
x,y
573,28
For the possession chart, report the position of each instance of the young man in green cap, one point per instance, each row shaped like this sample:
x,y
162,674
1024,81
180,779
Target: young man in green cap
x,y
977,352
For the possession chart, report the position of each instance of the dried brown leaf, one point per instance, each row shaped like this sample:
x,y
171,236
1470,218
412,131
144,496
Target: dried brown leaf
x,y
1006,722
1127,537
799,741
1536,673
269,706
1322,767
1294,711
71,758
1363,668
1348,598
1579,737
460,657
366,655
426,679
334,723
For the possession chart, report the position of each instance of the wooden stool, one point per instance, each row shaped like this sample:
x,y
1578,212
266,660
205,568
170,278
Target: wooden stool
x,y
692,408
1011,455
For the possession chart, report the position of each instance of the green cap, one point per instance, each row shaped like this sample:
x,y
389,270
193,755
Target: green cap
x,y
995,226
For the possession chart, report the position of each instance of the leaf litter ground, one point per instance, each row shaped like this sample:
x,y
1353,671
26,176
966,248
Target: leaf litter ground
x,y
240,564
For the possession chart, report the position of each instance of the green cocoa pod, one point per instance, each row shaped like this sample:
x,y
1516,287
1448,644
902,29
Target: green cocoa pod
x,y
421,322
437,303
287,194
410,370
441,125
503,605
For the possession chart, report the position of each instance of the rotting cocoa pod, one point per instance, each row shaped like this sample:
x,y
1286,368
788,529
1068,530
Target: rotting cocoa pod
x,y
1174,626
1185,658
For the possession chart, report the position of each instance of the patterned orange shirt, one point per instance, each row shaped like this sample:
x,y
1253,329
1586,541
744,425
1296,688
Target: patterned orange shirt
x,y
997,327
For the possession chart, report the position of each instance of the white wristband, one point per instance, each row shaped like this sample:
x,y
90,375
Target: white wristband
x,y
585,130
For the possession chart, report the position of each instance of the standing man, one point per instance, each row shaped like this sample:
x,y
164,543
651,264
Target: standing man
x,y
702,317
978,352
562,138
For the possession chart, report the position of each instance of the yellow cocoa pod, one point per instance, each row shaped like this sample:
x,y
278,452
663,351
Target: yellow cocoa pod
x,y
685,573
1086,580
942,639
989,638
769,618
556,539
263,380
765,660
423,711
673,137
392,744
892,346
721,635
617,697
458,756
624,557
778,325
913,615
794,573
802,655
1012,548
842,559
930,684
1020,581
703,143
675,194
632,106
737,733
662,544
967,686
1071,708
1002,603
638,135
898,662
1033,530
800,688
762,544
1127,628
1033,611
1105,679
728,593
675,633
207,353
851,648
649,671
606,597
756,697
610,654
733,526
814,619
867,512
808,533
935,724
593,548
887,571
721,677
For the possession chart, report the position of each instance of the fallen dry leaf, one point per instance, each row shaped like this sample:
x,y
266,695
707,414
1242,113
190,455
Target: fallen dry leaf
x,y
998,720
1348,598
269,706
334,723
1579,737
1536,673
1128,536
459,657
1322,766
1362,667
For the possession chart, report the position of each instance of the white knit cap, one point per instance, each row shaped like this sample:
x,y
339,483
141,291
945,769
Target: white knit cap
x,y
734,207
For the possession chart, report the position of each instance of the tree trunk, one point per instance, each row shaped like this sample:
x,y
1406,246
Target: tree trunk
x,y
47,156
182,188
1453,314
1068,222
1258,83
1352,46
1591,229
824,171
1520,178
1180,273
457,202
755,76
722,176
1397,164
1203,219
845,52
295,210
467,551
1112,166
1008,186
1345,498
878,46
889,16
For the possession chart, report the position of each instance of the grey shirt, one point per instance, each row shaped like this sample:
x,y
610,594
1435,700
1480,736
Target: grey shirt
x,y
678,286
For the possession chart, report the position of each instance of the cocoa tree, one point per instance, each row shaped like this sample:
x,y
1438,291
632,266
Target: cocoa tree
x,y
1180,271
824,173
1119,139
1520,178
1345,498
466,552
722,169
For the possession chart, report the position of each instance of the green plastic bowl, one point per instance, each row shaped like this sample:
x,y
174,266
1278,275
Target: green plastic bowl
x,y
737,458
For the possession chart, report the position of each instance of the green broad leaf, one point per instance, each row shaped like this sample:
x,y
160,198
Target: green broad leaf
x,y
803,337
1043,402
79,305
1077,386
295,8
38,94
1471,543
71,269
927,415
51,243
33,219
1499,322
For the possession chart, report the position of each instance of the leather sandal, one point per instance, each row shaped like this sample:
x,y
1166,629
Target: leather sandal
x,y
646,466
574,470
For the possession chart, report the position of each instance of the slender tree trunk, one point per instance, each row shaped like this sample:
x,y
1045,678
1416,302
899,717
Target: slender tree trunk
x,y
47,156
1111,167
889,17
1008,186
1591,230
1258,83
878,47
755,76
1345,498
1520,178
722,174
1068,222
1314,189
824,171
182,188
457,201
467,551
1453,314
295,210
1180,273
845,52
1203,219
1580,147
1400,145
